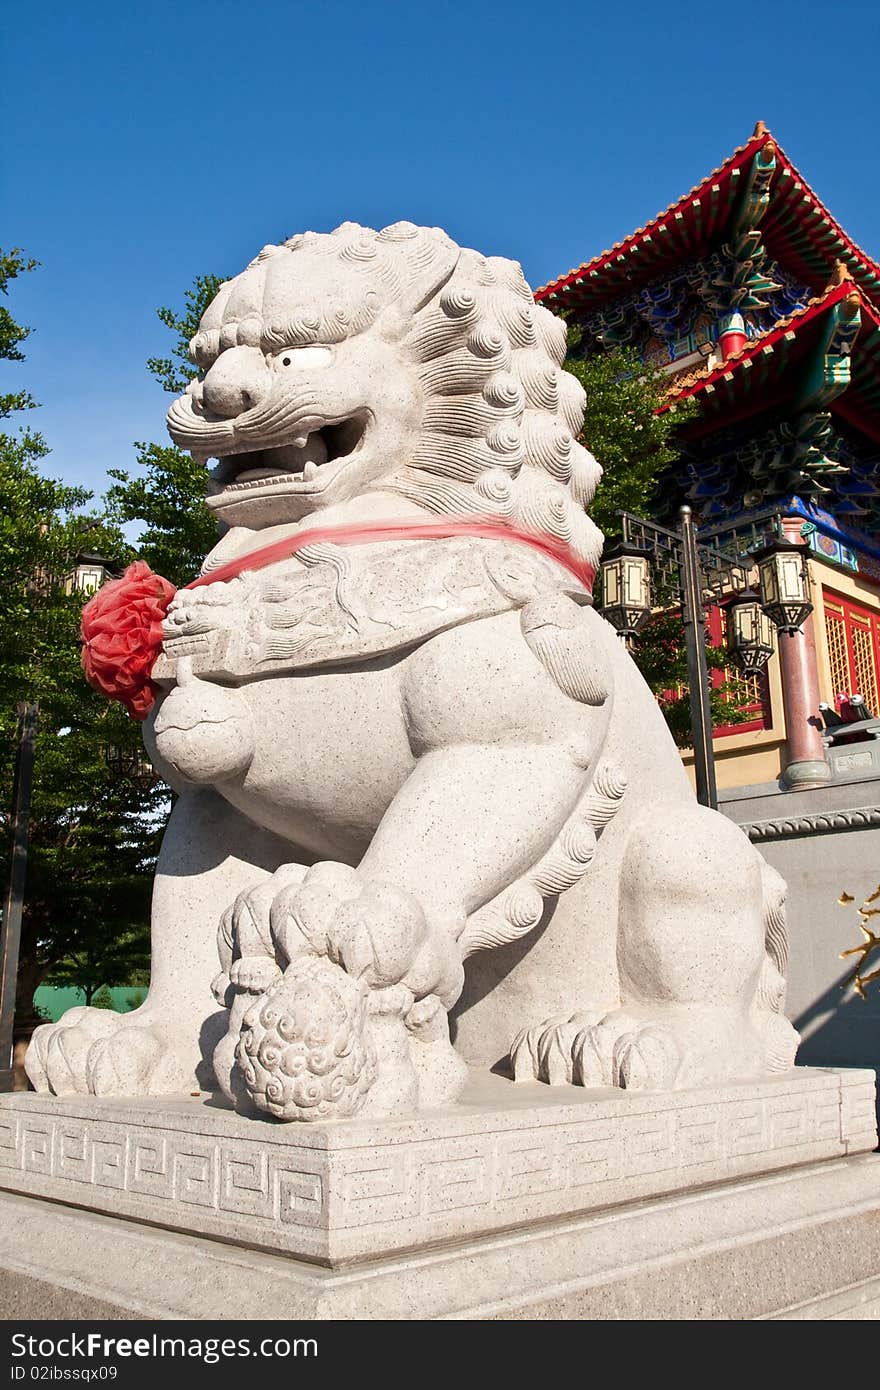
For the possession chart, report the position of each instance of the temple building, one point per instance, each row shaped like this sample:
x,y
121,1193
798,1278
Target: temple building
x,y
756,304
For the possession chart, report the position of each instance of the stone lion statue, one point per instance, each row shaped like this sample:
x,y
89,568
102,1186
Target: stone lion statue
x,y
428,811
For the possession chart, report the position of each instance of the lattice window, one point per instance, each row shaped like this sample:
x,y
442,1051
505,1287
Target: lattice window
x,y
853,637
835,633
863,659
746,689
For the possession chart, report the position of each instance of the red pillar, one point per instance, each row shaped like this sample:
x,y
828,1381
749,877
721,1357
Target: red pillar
x,y
732,335
805,759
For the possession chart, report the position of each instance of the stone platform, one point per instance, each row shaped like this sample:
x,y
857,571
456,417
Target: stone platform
x,y
803,1243
506,1157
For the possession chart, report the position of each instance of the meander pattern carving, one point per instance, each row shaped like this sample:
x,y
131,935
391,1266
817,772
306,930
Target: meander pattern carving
x,y
286,1185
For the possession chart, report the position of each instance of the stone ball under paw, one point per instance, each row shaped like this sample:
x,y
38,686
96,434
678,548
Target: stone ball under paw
x,y
205,732
304,1050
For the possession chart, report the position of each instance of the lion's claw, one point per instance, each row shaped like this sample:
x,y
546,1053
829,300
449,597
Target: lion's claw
x,y
646,1060
617,1050
545,1052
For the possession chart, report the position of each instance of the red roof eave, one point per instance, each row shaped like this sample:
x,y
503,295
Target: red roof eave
x,y
820,305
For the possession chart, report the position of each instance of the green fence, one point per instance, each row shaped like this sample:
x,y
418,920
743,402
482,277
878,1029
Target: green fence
x,y
54,1000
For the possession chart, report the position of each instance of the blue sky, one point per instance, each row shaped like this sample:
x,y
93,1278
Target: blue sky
x,y
146,143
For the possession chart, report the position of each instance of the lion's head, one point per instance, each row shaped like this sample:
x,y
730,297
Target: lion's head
x,y
393,361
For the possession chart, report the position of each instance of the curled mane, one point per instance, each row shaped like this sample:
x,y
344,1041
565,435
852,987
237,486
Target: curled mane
x,y
502,416
498,433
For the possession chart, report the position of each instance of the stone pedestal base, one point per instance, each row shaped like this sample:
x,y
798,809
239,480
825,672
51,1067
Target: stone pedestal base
x,y
803,1243
505,1157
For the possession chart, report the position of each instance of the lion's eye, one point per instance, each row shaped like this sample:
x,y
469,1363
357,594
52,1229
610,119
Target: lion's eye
x,y
307,358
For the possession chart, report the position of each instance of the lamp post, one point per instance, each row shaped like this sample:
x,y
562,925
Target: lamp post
x,y
783,591
131,765
806,759
688,571
10,936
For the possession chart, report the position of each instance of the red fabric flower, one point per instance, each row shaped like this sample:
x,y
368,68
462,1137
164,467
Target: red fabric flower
x,y
122,633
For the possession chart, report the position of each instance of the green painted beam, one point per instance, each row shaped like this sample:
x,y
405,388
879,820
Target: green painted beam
x,y
829,369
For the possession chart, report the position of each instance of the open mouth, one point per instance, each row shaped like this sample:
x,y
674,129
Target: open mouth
x,y
307,463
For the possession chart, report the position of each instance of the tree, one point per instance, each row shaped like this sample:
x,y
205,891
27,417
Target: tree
x,y
169,501
174,373
622,428
635,444
94,842
168,498
115,955
12,264
92,833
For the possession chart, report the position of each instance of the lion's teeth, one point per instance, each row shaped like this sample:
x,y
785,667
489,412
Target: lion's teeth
x,y
310,471
300,441
256,475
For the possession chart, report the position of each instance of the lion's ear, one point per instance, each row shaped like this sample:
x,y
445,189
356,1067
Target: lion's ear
x,y
428,257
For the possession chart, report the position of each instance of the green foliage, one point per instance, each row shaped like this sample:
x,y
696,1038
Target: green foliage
x,y
42,530
635,445
12,264
114,956
659,653
174,373
167,498
93,834
623,431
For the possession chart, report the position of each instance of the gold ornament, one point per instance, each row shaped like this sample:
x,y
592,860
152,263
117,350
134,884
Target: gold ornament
x,y
857,979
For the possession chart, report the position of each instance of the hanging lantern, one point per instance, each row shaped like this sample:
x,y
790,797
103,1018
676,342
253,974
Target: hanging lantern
x,y
626,588
785,584
89,574
749,633
130,765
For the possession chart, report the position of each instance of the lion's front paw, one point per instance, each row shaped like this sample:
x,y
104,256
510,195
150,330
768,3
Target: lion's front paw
x,y
544,1052
347,1023
254,973
56,1059
139,1062
655,1052
377,932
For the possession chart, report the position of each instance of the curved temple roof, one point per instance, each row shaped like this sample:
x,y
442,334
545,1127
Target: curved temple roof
x,y
797,230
